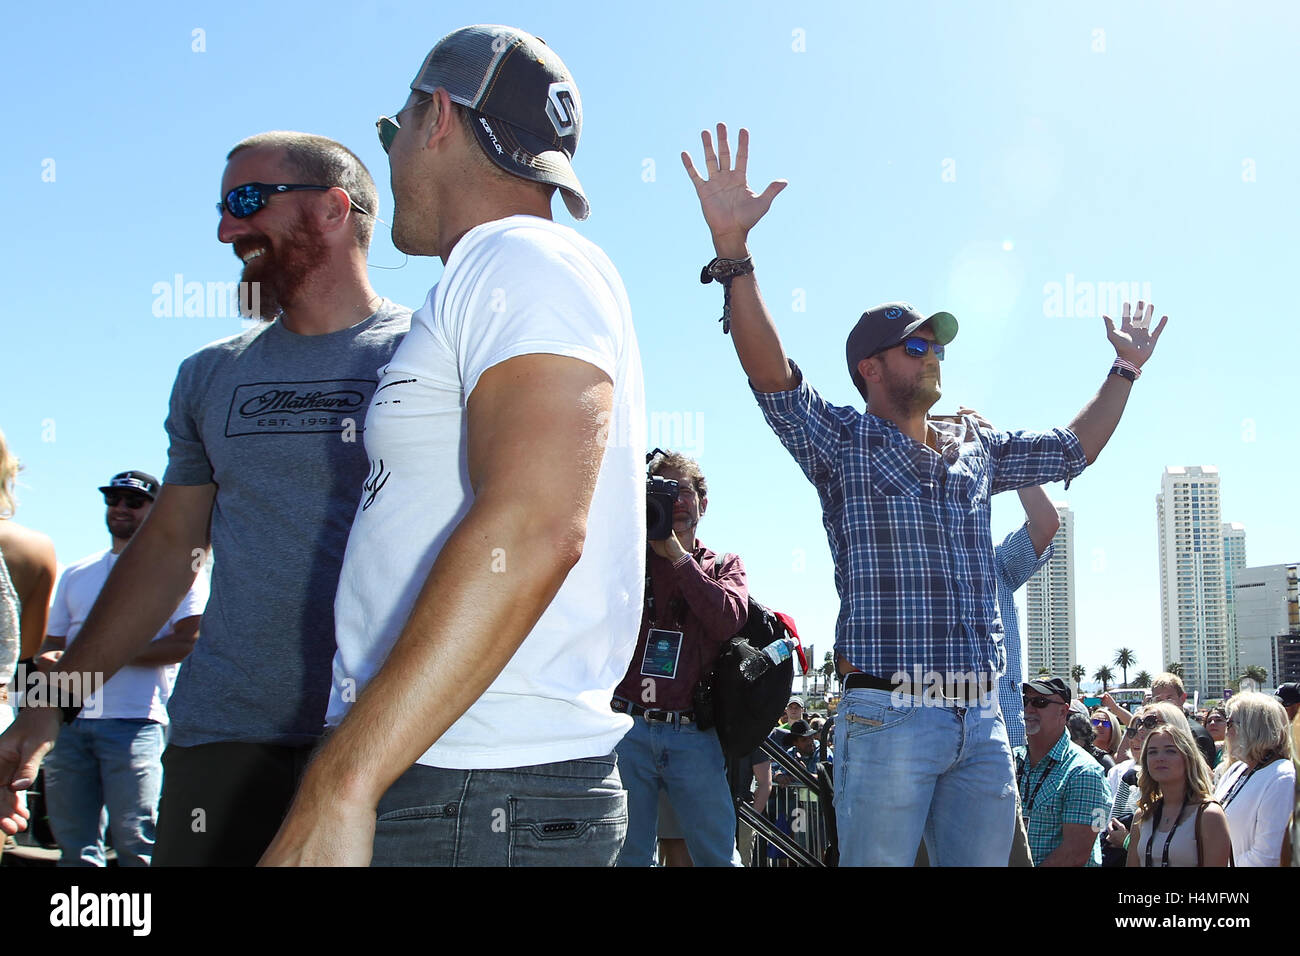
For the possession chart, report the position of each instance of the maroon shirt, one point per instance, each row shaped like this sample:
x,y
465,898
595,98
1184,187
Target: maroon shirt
x,y
708,603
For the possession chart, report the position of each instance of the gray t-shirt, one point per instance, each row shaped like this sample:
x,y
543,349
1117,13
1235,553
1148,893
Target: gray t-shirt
x,y
275,420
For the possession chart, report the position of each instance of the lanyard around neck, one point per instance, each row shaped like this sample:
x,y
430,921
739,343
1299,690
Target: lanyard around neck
x,y
1155,823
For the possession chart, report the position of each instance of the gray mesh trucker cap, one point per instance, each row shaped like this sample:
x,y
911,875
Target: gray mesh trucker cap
x,y
528,111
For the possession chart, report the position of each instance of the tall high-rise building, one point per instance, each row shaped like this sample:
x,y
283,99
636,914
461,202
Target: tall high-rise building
x,y
1267,600
1234,559
1193,595
1049,629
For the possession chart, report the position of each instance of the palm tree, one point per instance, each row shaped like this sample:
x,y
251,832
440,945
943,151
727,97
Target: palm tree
x,y
1077,673
1143,679
1256,673
1044,672
1105,676
1124,659
1175,668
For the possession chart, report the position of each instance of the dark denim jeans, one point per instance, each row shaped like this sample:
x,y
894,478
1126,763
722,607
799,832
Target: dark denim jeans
x,y
571,813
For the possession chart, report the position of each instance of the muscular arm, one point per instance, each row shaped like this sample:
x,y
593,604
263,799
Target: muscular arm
x,y
530,415
731,210
1041,517
173,648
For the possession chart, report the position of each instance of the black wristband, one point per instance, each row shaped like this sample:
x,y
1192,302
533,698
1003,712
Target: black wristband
x,y
1123,373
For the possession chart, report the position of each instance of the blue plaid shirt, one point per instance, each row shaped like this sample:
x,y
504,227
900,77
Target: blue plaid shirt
x,y
1014,562
909,529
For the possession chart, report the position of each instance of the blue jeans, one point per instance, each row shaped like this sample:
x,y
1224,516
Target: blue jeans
x,y
686,762
904,772
105,771
570,813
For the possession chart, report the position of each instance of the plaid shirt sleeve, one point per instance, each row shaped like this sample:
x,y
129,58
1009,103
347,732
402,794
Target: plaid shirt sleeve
x,y
806,424
1017,561
1021,459
1085,798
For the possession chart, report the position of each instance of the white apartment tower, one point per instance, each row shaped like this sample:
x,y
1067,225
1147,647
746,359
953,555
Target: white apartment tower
x,y
1049,606
1234,560
1193,592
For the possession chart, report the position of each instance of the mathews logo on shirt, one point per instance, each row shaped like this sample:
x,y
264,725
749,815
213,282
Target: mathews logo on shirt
x,y
265,408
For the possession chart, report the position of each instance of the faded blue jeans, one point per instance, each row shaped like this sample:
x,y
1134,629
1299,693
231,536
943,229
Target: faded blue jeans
x,y
904,772
105,771
569,813
687,763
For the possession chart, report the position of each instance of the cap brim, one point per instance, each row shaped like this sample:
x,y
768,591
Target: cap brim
x,y
529,157
944,325
105,489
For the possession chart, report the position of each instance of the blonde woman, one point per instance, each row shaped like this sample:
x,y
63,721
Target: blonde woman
x,y
1177,822
27,572
1108,730
1257,786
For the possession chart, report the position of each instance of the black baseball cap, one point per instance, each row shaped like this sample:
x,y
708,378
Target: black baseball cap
x,y
527,111
887,325
1048,687
137,481
1288,694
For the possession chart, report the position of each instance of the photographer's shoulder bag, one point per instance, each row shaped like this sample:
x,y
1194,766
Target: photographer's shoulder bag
x,y
745,711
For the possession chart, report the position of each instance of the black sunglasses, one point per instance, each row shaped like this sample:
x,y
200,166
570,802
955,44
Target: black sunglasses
x,y
242,201
1038,703
134,502
1098,722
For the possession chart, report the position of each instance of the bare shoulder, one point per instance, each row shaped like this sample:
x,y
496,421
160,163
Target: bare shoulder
x,y
26,552
1214,811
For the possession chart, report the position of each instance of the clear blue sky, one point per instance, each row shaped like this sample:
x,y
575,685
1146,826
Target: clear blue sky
x,y
962,157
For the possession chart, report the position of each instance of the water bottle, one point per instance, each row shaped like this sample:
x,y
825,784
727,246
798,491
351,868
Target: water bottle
x,y
753,668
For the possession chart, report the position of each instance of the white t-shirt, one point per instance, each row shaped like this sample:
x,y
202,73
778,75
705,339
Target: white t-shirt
x,y
133,693
511,287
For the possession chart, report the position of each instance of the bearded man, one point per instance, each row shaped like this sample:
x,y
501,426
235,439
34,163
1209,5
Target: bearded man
x,y
266,466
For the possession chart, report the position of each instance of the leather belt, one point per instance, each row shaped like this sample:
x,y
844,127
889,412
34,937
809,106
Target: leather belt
x,y
675,717
952,694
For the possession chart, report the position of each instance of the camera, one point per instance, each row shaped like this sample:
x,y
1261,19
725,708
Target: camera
x,y
660,496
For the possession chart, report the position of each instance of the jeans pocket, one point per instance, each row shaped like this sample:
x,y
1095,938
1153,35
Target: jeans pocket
x,y
416,836
567,831
872,712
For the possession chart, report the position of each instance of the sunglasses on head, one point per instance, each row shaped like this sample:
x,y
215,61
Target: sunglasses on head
x,y
1038,703
1147,722
134,502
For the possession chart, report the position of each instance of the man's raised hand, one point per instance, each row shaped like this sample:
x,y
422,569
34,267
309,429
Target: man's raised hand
x,y
730,208
1134,340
